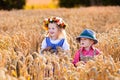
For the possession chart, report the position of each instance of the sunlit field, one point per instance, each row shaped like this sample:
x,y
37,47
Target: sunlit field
x,y
21,34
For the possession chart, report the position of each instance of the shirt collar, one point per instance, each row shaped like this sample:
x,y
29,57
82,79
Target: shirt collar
x,y
91,48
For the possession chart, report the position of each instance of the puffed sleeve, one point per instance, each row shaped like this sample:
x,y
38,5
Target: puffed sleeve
x,y
66,45
44,44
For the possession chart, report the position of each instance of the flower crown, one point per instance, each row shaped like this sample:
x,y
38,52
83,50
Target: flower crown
x,y
59,21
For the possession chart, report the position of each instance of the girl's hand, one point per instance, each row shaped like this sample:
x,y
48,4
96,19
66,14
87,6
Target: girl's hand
x,y
47,49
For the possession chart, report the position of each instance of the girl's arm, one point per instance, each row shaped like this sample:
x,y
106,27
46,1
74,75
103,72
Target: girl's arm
x,y
66,47
43,45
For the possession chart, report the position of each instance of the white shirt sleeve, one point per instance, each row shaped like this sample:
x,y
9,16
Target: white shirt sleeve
x,y
44,44
66,45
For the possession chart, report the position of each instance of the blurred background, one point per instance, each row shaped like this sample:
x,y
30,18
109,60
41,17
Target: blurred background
x,y
43,4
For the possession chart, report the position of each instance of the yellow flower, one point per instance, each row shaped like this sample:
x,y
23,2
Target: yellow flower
x,y
59,21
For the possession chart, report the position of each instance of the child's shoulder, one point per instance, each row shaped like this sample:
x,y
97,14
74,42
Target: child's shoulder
x,y
79,50
47,38
97,50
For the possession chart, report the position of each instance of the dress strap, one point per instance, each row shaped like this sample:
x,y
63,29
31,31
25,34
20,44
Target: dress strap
x,y
81,55
47,40
61,42
94,53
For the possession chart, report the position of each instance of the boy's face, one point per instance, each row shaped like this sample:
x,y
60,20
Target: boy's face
x,y
53,30
85,42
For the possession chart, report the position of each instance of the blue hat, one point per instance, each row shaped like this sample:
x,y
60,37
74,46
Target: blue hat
x,y
87,33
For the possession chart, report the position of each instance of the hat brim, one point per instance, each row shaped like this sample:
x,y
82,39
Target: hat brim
x,y
79,37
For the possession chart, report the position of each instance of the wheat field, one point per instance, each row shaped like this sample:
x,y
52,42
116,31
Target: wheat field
x,y
21,34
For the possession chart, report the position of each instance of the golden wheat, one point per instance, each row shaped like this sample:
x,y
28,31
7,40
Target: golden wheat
x,y
21,34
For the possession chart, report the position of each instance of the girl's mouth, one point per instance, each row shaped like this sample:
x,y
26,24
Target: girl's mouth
x,y
51,32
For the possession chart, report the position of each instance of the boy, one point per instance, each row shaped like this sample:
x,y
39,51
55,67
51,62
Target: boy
x,y
87,39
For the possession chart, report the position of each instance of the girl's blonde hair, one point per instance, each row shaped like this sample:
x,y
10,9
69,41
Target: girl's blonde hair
x,y
63,34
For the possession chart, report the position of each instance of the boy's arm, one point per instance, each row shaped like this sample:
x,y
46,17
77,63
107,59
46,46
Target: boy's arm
x,y
98,51
76,58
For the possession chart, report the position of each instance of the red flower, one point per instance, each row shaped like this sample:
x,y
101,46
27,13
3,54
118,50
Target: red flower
x,y
57,20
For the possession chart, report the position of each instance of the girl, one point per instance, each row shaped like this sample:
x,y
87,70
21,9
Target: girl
x,y
87,40
56,35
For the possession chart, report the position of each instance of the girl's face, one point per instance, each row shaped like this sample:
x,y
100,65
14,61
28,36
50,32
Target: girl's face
x,y
85,42
53,30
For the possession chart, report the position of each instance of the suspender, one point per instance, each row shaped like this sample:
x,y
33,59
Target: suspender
x,y
86,58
